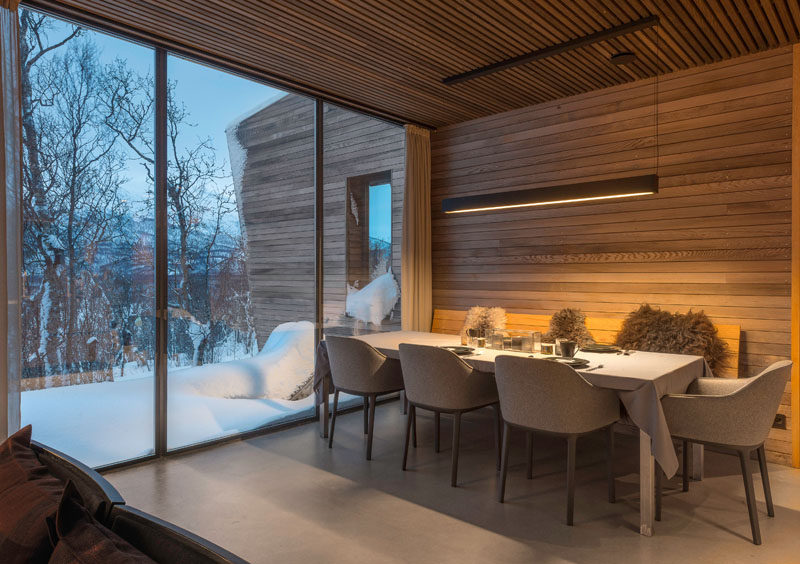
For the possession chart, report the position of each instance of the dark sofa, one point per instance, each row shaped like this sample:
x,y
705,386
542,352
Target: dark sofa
x,y
157,539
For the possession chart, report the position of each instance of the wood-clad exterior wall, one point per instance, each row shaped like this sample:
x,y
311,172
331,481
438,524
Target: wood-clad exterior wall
x,y
275,196
716,237
357,145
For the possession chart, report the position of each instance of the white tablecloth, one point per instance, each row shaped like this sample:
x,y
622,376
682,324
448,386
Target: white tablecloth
x,y
640,379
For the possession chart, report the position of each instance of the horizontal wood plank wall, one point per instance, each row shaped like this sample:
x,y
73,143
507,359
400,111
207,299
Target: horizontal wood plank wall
x,y
717,237
357,145
276,204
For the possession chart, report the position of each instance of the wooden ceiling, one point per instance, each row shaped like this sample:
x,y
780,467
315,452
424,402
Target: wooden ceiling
x,y
390,56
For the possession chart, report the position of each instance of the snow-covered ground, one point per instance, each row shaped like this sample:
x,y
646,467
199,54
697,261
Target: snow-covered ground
x,y
107,422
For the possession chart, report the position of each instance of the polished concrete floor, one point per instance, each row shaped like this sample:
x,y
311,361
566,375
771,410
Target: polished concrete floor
x,y
285,497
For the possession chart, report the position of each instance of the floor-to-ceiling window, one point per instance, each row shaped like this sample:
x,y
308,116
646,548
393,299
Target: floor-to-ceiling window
x,y
87,241
364,178
237,210
240,195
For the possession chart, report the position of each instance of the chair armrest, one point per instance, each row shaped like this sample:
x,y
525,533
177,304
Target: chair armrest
x,y
700,417
711,418
716,386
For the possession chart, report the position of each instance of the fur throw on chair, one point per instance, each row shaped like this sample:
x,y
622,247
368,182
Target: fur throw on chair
x,y
652,329
485,318
569,324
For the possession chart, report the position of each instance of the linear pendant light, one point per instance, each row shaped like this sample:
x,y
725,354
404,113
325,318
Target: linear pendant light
x,y
550,195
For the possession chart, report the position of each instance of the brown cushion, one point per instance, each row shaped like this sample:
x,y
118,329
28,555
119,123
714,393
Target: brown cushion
x,y
79,538
28,495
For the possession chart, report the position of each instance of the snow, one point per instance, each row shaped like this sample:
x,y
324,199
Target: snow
x,y
54,242
267,102
353,207
237,153
375,301
275,372
107,422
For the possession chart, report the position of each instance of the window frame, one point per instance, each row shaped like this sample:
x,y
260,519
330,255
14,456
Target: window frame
x,y
162,50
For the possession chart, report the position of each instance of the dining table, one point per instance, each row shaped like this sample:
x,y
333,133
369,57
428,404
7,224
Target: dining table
x,y
640,379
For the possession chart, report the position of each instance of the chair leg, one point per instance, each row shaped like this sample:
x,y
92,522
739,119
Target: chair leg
x,y
456,441
762,466
571,440
612,490
333,417
436,420
529,454
366,415
685,466
373,399
498,434
405,403
501,486
659,492
414,429
747,476
408,434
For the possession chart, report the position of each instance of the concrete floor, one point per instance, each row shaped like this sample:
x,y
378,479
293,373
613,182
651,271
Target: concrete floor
x,y
286,497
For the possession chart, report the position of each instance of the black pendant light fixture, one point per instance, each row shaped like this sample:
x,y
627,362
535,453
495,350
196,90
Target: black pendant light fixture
x,y
616,188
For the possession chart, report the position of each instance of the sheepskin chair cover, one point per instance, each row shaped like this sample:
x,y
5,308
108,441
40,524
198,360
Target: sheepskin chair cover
x,y
486,318
569,324
652,329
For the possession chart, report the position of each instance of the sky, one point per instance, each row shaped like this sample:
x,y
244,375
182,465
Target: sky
x,y
380,212
214,100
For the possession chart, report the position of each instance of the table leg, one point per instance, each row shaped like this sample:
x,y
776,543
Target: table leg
x,y
324,411
646,485
697,462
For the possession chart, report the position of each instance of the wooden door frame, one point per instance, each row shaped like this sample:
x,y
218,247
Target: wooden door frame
x,y
795,327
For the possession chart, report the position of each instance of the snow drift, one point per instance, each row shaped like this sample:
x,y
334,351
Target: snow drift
x,y
282,366
375,301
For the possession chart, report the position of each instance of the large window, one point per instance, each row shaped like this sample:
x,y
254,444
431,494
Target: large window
x,y
240,193
87,261
237,275
364,169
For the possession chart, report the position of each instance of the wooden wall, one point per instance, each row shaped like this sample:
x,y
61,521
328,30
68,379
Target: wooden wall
x,y
717,236
357,145
276,204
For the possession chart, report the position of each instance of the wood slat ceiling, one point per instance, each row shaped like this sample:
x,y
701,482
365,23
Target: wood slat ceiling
x,y
391,56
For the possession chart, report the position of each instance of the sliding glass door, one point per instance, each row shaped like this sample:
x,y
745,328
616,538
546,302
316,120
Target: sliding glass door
x,y
237,275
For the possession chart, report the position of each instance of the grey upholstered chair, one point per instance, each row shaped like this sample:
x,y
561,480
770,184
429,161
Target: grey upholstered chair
x,y
544,396
734,414
438,380
360,370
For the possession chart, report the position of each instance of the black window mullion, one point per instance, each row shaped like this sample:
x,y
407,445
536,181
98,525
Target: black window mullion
x,y
161,252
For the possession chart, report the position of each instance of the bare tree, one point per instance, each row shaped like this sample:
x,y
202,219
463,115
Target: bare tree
x,y
199,196
73,171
